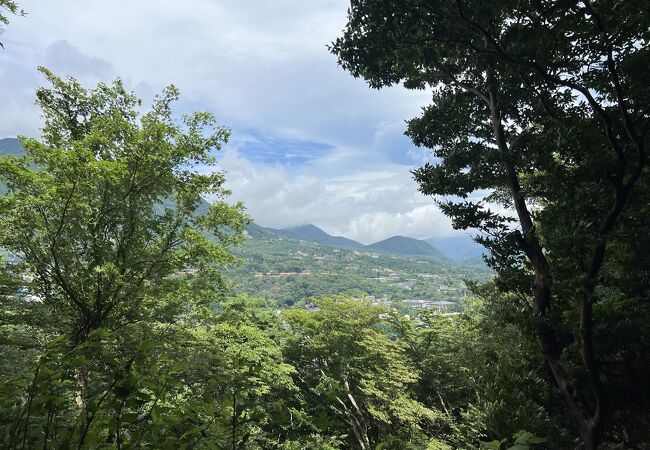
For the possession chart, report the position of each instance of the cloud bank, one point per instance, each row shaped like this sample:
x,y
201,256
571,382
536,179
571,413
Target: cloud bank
x,y
310,143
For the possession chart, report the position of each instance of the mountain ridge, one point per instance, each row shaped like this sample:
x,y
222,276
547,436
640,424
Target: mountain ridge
x,y
306,232
406,246
310,232
400,245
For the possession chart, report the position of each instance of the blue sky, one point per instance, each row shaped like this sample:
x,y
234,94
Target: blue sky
x,y
260,148
310,144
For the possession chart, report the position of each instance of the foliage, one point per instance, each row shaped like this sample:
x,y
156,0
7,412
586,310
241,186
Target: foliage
x,y
119,253
522,441
8,7
355,377
480,369
118,329
544,106
110,198
216,385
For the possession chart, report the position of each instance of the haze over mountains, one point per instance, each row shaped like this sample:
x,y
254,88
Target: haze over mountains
x,y
458,247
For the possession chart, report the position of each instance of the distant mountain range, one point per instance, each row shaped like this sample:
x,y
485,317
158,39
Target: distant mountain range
x,y
314,234
459,247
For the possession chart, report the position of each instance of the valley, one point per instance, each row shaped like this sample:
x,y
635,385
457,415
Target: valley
x,y
290,269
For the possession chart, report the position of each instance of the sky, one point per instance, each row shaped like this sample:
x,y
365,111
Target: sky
x,y
310,144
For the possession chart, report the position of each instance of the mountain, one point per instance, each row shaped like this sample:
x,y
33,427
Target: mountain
x,y
312,233
400,245
10,147
256,231
459,247
405,246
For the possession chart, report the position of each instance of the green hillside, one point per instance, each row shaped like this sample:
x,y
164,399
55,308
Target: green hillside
x,y
285,270
399,245
405,246
312,233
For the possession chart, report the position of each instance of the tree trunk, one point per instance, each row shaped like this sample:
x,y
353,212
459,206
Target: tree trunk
x,y
357,422
589,422
234,422
590,432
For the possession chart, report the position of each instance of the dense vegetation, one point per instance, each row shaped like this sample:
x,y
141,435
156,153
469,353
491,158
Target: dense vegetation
x,y
545,104
118,330
135,315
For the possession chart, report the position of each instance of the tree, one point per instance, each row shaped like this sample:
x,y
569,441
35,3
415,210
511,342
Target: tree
x,y
197,380
480,368
544,105
107,218
250,383
107,211
11,7
351,372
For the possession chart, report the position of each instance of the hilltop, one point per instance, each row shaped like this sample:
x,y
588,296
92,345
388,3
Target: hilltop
x,y
312,233
399,245
406,246
457,247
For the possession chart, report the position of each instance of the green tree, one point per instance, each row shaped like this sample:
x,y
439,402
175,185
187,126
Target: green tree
x,y
544,105
480,367
120,249
198,381
251,383
355,379
108,207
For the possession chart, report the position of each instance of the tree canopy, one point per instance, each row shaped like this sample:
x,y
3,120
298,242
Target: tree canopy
x,y
114,204
120,330
543,107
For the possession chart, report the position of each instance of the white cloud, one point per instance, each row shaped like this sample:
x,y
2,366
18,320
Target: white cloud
x,y
67,60
256,64
19,80
260,66
367,205
421,222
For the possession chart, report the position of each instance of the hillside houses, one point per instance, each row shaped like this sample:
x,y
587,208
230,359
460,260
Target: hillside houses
x,y
440,306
